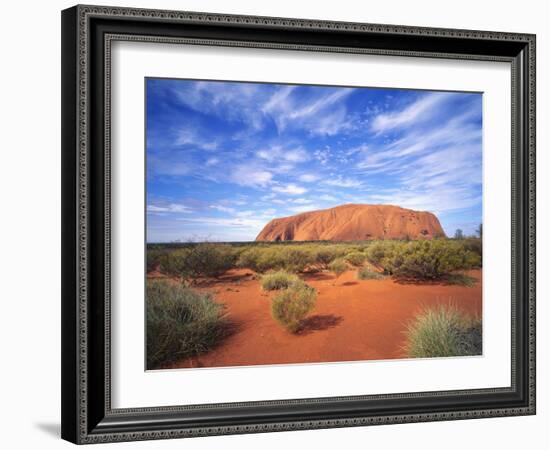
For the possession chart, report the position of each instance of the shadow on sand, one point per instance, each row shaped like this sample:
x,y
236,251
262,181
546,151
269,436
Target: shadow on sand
x,y
455,279
319,322
224,279
317,276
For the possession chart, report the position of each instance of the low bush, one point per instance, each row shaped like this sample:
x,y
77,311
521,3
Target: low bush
x,y
205,259
181,322
295,259
355,258
381,250
153,258
428,259
324,256
292,305
264,258
338,267
278,280
174,263
474,245
366,274
443,331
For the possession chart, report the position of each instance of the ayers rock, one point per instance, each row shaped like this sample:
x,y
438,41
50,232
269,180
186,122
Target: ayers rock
x,y
354,223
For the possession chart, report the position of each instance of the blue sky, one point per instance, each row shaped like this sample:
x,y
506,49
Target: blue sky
x,y
224,158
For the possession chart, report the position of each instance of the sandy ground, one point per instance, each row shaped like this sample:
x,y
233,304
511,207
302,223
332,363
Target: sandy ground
x,y
352,320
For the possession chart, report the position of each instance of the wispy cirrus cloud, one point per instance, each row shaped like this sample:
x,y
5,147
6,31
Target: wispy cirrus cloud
x,y
322,115
343,182
240,154
421,109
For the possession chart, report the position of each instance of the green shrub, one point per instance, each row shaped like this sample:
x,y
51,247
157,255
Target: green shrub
x,y
205,259
248,258
473,245
278,280
276,257
324,256
174,263
428,259
380,250
209,259
443,331
366,274
292,305
295,259
154,257
181,322
338,267
355,258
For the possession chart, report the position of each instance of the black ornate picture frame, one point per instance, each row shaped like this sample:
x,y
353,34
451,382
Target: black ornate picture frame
x,y
87,35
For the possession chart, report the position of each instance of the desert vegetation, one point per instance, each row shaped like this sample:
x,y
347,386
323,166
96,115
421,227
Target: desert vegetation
x,y
337,267
185,308
444,331
292,305
181,322
366,273
420,259
278,280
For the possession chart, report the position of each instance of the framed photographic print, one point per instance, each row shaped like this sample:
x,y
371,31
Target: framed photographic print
x,y
279,224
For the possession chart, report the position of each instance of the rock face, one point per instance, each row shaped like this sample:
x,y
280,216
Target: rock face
x,y
354,223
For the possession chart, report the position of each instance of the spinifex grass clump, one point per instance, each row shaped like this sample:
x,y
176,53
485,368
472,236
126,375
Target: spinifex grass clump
x,y
444,331
292,305
181,322
278,280
367,274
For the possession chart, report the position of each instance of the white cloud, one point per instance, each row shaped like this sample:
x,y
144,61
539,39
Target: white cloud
x,y
237,222
169,208
189,136
222,208
308,177
302,201
245,213
297,155
323,114
269,212
421,109
318,105
278,153
458,131
291,189
327,198
278,99
303,208
343,182
251,175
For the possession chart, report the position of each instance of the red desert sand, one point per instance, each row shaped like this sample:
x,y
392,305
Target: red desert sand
x,y
353,320
354,223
